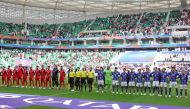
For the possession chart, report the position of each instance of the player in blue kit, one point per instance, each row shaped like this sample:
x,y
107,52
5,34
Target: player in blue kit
x,y
147,83
163,82
132,77
173,75
156,77
115,80
183,82
139,81
124,76
100,78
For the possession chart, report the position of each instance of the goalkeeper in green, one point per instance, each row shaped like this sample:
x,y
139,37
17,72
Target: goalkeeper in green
x,y
108,77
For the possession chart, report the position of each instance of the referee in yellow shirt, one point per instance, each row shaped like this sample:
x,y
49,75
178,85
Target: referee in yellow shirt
x,y
90,79
71,79
78,79
83,78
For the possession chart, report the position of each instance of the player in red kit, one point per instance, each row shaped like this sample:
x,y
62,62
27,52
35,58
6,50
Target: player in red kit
x,y
20,73
9,75
48,77
25,78
37,79
62,77
43,76
4,76
32,73
15,77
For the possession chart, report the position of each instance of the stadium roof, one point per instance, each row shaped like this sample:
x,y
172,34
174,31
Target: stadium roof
x,y
99,5
72,9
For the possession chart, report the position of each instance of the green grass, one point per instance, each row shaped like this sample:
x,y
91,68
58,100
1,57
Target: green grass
x,y
40,107
108,96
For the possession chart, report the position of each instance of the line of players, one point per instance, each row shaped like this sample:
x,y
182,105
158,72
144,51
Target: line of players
x,y
41,77
134,82
130,81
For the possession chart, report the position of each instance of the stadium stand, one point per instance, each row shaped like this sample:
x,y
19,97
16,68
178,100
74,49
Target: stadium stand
x,y
179,17
45,57
124,25
77,58
152,23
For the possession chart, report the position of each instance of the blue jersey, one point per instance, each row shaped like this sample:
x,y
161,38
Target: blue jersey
x,y
183,79
156,76
132,77
124,76
164,77
115,75
139,77
173,76
96,71
100,75
147,76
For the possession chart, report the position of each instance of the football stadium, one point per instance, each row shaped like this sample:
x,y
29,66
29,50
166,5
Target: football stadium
x,y
94,54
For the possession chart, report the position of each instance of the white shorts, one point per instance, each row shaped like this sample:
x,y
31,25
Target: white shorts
x,y
163,84
139,84
173,84
184,86
115,82
100,82
131,83
155,84
147,84
123,83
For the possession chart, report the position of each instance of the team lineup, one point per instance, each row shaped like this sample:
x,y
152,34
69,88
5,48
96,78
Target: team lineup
x,y
128,81
37,78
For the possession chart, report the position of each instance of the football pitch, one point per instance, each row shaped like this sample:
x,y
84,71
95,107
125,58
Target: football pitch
x,y
106,96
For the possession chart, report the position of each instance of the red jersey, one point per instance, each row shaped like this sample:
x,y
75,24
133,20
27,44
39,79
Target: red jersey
x,y
20,71
25,74
48,73
15,74
31,72
9,73
4,73
62,74
43,73
37,71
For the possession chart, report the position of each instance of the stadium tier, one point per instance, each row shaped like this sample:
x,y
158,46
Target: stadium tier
x,y
77,58
49,57
143,24
158,29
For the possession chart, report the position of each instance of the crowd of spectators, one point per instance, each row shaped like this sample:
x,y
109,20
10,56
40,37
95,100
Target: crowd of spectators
x,y
78,58
175,56
141,24
68,58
